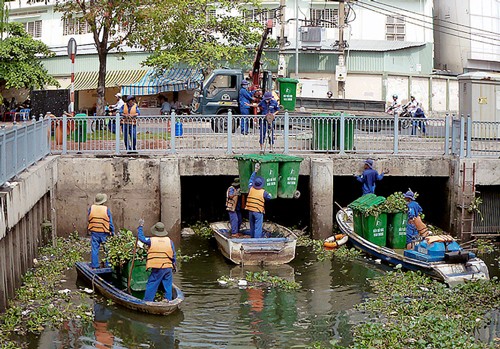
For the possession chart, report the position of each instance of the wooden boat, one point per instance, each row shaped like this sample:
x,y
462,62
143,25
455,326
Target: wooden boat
x,y
100,281
452,268
335,241
278,247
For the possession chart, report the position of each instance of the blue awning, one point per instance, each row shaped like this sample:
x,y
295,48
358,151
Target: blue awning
x,y
175,79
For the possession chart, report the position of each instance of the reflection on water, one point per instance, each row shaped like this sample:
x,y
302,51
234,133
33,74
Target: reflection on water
x,y
214,316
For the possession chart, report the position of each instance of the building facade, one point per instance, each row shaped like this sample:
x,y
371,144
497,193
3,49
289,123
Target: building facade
x,y
388,48
467,35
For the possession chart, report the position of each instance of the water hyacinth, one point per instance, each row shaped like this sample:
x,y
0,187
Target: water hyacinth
x,y
260,279
42,301
120,248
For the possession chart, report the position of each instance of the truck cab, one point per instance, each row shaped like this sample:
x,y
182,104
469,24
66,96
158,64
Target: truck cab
x,y
219,93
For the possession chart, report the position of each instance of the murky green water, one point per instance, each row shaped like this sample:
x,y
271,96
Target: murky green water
x,y
214,316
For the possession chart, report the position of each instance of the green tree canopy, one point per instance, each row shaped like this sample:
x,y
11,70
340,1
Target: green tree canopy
x,y
20,64
200,33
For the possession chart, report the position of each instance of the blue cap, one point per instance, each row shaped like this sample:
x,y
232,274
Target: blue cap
x,y
409,195
267,95
244,82
258,183
369,162
129,98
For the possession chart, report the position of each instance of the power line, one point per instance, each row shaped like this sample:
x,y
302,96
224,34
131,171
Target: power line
x,y
423,26
436,25
442,20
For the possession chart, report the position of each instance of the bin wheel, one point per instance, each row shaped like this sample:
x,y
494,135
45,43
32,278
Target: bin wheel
x,y
296,194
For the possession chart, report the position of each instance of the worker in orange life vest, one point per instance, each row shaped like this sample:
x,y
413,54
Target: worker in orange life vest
x,y
129,112
255,203
233,207
100,225
161,260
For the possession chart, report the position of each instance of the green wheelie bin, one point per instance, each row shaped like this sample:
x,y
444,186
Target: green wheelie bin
x,y
288,92
396,230
269,170
80,132
289,167
348,133
323,128
375,226
358,206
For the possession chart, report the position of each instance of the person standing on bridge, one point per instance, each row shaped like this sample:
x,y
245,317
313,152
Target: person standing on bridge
x,y
233,207
160,259
369,177
268,108
245,100
129,112
100,226
255,203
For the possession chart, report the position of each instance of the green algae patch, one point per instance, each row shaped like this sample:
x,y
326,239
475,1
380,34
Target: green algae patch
x,y
42,301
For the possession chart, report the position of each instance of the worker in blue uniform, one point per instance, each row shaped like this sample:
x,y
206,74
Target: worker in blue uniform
x,y
414,211
268,108
245,100
160,259
255,203
369,177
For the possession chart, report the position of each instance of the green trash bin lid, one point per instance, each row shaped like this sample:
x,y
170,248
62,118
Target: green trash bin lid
x,y
290,80
267,158
81,116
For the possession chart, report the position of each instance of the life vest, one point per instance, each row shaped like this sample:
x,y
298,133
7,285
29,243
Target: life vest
x,y
130,115
98,219
231,202
255,200
160,254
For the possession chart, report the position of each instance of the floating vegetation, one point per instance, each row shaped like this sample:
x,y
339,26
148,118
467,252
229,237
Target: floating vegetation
x,y
42,301
260,279
120,248
484,246
202,229
184,257
413,311
323,254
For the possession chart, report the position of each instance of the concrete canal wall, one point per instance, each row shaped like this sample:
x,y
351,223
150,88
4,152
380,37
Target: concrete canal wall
x,y
60,189
26,210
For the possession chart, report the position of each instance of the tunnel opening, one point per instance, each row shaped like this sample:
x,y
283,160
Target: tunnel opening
x,y
433,194
203,198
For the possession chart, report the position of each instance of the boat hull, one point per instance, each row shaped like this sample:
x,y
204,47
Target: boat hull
x,y
95,278
450,273
251,251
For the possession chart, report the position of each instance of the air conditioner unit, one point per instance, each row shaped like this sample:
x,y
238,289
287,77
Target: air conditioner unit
x,y
311,35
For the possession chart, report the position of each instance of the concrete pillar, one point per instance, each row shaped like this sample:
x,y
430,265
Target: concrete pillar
x,y
321,185
170,197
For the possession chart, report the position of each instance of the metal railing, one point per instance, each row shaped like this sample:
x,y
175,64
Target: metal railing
x,y
21,146
228,134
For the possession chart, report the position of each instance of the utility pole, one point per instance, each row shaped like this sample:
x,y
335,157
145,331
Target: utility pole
x,y
282,42
341,71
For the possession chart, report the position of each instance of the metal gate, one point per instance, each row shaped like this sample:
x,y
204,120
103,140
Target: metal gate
x,y
488,222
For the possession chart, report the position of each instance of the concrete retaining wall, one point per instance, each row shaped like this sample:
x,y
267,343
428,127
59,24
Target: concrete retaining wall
x,y
24,206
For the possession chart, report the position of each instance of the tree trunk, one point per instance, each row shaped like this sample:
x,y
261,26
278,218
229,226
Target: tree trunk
x,y
101,81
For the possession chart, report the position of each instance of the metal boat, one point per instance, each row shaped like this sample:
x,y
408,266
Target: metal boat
x,y
452,268
100,281
277,247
